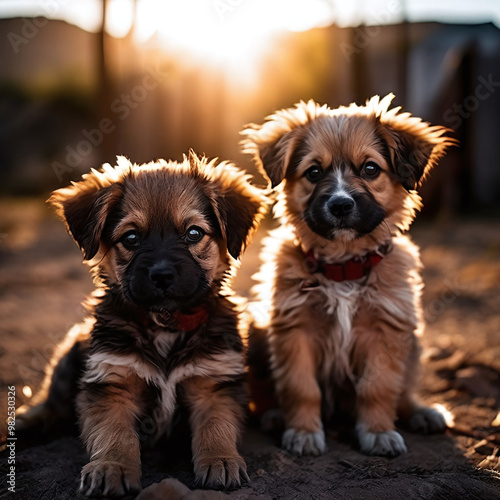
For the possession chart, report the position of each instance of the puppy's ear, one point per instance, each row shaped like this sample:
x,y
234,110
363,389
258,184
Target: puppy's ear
x,y
241,207
84,207
272,155
414,146
275,144
238,205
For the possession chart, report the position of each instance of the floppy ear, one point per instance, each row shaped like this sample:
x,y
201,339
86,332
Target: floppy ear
x,y
275,143
273,157
84,207
241,207
415,146
238,205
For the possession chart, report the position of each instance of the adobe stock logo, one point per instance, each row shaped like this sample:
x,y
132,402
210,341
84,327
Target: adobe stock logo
x,y
31,27
455,115
29,30
121,107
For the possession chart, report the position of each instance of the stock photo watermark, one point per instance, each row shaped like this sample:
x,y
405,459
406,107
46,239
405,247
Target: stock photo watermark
x,y
29,30
448,295
121,107
363,35
11,438
485,87
31,27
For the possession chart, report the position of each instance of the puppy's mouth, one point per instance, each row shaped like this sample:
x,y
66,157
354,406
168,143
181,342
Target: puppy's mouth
x,y
341,230
163,303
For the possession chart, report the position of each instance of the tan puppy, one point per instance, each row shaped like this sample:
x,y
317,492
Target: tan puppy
x,y
162,333
342,281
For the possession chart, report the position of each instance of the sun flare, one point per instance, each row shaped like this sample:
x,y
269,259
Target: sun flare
x,y
230,33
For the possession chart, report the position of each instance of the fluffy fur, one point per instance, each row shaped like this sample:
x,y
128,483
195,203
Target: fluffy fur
x,y
345,182
162,240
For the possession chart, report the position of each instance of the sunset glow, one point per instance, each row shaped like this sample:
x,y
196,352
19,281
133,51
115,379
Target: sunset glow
x,y
225,31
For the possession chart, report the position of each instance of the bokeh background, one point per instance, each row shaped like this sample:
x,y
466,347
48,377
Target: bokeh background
x,y
82,81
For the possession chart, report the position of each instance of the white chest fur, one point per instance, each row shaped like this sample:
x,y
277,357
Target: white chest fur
x,y
103,367
341,302
163,341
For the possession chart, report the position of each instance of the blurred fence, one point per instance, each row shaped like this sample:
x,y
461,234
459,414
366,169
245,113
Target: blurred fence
x,y
58,119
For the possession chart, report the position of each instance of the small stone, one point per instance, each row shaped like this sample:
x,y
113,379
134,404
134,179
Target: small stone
x,y
484,450
168,489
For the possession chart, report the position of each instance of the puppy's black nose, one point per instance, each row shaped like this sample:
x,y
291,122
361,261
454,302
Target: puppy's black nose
x,y
340,206
162,275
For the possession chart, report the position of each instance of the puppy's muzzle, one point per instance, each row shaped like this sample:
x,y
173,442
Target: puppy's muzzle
x,y
163,275
340,205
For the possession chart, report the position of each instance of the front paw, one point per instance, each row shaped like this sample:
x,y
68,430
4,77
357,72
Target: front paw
x,y
304,443
386,444
102,477
427,421
215,472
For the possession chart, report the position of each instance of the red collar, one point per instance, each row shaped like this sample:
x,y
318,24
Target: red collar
x,y
179,321
190,322
353,269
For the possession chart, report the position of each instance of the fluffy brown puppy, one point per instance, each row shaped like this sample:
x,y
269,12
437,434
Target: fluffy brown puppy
x,y
342,281
161,239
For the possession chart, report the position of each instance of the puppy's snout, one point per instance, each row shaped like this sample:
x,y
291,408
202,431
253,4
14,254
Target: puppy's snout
x,y
162,275
340,206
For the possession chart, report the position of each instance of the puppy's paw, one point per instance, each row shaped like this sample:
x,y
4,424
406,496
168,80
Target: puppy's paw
x,y
304,443
386,444
220,472
427,421
101,477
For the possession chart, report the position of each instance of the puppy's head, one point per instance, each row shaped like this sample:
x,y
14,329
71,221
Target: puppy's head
x,y
162,234
343,172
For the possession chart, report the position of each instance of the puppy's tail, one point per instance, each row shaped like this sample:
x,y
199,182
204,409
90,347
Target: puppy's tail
x,y
53,412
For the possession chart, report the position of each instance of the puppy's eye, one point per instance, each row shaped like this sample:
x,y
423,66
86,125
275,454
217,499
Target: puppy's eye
x,y
194,234
314,174
131,240
371,170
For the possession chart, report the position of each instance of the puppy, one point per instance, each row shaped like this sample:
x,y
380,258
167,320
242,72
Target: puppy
x,y
162,240
342,280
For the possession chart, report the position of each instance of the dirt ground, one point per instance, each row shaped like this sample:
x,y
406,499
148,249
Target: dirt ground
x,y
42,283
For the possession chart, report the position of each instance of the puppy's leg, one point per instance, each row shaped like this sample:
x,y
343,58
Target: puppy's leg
x,y
418,417
216,416
108,416
294,371
379,359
